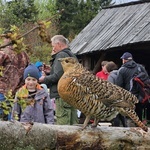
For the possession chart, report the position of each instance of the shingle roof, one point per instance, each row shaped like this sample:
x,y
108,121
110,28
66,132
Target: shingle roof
x,y
114,27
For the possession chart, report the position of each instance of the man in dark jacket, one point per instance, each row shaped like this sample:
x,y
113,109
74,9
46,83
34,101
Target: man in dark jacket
x,y
65,113
126,73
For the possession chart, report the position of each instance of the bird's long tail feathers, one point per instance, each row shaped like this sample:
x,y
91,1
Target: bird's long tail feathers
x,y
135,118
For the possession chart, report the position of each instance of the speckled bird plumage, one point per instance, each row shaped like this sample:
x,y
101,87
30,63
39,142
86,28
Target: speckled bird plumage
x,y
95,97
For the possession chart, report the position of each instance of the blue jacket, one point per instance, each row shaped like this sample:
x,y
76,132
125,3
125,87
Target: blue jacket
x,y
112,76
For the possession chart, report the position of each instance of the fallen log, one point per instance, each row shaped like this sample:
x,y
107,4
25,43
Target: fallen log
x,y
14,136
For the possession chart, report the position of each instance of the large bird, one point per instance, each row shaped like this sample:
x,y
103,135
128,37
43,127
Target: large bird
x,y
95,97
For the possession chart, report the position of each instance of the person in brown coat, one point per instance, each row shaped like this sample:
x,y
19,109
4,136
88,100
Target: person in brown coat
x,y
12,65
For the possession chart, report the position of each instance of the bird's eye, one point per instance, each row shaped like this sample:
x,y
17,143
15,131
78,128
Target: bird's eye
x,y
66,61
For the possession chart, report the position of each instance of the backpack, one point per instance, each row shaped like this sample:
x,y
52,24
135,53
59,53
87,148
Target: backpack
x,y
140,85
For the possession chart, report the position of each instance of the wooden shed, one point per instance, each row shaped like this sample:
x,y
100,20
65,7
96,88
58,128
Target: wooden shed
x,y
115,30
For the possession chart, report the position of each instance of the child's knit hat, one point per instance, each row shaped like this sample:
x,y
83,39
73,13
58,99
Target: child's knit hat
x,y
31,71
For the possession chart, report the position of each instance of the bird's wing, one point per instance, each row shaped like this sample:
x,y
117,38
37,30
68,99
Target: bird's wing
x,y
108,93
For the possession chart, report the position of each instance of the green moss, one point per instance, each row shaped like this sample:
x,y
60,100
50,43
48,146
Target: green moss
x,y
26,148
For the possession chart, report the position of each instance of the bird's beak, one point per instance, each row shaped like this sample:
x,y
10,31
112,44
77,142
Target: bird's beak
x,y
60,59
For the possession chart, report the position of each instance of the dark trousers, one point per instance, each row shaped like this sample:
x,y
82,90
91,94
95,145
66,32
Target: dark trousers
x,y
139,110
3,116
116,121
146,109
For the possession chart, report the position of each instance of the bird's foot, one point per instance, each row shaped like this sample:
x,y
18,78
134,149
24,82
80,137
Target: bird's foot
x,y
93,125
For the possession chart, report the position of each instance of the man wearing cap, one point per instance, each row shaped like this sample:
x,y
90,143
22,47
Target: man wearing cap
x,y
126,73
128,69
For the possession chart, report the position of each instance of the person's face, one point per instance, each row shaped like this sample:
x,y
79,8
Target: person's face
x,y
56,47
52,53
40,68
104,69
124,61
31,83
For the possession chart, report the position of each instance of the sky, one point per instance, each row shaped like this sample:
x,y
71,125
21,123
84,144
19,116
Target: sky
x,y
123,1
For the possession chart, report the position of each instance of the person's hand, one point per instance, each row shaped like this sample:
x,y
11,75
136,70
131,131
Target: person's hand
x,y
41,79
43,73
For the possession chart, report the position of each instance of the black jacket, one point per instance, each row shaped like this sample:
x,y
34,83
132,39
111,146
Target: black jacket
x,y
125,74
56,71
